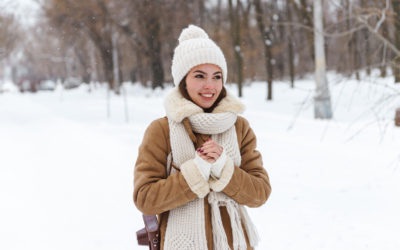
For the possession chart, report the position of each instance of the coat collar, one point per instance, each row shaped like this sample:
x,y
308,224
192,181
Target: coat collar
x,y
177,107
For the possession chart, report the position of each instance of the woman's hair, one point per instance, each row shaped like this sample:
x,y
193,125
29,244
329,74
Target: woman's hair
x,y
183,90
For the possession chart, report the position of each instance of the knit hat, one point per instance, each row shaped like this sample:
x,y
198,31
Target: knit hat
x,y
195,48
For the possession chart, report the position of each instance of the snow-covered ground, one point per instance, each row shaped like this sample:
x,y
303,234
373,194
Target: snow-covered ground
x,y
66,171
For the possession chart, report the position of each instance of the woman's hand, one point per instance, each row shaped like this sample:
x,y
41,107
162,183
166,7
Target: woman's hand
x,y
210,151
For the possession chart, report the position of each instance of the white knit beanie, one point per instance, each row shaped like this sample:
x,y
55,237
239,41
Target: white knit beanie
x,y
195,48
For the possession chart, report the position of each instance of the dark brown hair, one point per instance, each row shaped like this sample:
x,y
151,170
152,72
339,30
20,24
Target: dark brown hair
x,y
183,90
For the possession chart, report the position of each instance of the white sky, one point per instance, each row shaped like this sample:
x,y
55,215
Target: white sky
x,y
26,11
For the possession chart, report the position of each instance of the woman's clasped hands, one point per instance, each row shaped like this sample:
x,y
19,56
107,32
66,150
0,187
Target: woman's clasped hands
x,y
210,159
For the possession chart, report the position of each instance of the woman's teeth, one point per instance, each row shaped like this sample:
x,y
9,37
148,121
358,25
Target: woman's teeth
x,y
207,95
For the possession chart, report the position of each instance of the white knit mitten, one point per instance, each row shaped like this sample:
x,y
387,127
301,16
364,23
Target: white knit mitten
x,y
203,166
218,165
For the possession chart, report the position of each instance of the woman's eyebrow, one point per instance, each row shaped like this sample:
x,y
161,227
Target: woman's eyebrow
x,y
199,71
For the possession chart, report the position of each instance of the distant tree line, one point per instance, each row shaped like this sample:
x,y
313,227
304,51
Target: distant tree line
x,y
115,40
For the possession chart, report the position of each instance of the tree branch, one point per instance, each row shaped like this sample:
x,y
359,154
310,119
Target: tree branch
x,y
379,36
311,29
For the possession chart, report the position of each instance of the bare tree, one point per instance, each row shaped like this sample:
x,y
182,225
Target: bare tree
x,y
289,7
373,21
366,38
93,20
149,13
218,22
234,17
145,34
83,31
396,9
304,11
351,38
322,100
265,32
8,35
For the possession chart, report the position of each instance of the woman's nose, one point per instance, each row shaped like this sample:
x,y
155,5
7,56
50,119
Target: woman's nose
x,y
208,84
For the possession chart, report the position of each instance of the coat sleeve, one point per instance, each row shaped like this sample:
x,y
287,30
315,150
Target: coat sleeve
x,y
248,185
154,192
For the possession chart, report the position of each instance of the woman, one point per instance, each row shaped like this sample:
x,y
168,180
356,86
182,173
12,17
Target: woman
x,y
198,166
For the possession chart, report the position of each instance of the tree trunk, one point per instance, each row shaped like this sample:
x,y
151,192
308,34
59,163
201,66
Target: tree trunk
x,y
93,64
384,50
289,5
104,44
217,35
396,68
356,55
266,41
350,47
154,42
201,12
234,17
322,100
115,56
279,34
367,51
83,60
106,57
365,35
305,13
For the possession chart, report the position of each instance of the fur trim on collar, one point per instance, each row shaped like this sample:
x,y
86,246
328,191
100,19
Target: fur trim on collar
x,y
177,107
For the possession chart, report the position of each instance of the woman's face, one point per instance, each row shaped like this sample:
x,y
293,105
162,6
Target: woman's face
x,y
204,84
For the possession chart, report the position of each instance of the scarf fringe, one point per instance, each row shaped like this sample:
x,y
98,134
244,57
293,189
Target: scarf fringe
x,y
219,236
239,241
251,230
220,241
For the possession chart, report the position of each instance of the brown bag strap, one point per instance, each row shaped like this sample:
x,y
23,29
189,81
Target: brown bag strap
x,y
150,234
153,231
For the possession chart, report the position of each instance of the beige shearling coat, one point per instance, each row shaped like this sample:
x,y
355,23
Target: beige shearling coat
x,y
156,193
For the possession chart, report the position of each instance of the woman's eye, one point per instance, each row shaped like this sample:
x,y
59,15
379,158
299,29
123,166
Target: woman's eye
x,y
217,77
199,76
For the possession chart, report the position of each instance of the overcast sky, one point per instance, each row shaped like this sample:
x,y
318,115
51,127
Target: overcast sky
x,y
26,11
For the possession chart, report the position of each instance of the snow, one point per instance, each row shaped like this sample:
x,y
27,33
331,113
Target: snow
x,y
66,170
237,48
7,86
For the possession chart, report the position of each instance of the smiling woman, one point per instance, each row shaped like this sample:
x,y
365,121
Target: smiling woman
x,y
203,85
198,167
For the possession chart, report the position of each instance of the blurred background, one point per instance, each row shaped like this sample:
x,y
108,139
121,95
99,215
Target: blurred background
x,y
80,81
113,41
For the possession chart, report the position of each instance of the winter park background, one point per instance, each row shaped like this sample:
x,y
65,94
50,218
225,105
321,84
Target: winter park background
x,y
68,147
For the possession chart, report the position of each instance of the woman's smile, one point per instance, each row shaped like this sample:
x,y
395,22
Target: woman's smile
x,y
204,84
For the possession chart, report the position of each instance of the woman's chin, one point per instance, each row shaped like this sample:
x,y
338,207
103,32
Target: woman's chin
x,y
205,105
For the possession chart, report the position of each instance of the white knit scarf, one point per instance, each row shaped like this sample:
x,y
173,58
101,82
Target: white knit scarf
x,y
186,224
